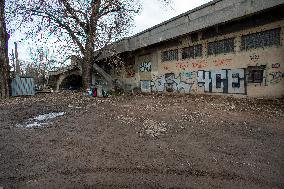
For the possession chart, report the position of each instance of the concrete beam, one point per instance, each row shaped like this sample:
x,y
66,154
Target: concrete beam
x,y
210,14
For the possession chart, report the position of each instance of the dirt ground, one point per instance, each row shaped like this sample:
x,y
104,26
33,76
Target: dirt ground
x,y
152,141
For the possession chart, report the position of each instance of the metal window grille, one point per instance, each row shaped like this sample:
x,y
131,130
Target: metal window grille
x,y
192,52
261,39
222,46
170,55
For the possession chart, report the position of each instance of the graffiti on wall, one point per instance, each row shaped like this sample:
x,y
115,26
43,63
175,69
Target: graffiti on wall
x,y
254,57
276,77
277,65
182,66
145,86
187,74
166,68
222,81
222,62
130,73
174,84
199,64
145,66
166,83
158,82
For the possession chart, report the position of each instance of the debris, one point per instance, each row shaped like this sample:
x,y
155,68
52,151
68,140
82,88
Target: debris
x,y
40,120
154,128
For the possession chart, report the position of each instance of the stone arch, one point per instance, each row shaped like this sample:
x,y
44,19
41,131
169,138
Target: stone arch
x,y
66,75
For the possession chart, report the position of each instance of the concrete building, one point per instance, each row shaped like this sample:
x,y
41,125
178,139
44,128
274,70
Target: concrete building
x,y
223,47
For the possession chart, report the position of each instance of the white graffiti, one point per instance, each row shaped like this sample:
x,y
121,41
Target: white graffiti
x,y
204,80
158,82
145,86
222,81
145,66
170,83
236,81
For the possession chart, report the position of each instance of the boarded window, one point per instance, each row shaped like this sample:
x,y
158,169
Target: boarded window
x,y
261,39
170,55
223,46
255,74
192,52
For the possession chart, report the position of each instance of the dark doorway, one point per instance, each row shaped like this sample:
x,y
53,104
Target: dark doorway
x,y
72,82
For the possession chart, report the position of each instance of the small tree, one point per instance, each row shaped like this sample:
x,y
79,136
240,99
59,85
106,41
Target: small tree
x,y
80,26
4,61
41,62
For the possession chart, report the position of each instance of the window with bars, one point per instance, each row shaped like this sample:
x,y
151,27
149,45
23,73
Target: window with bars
x,y
170,55
222,46
192,52
261,39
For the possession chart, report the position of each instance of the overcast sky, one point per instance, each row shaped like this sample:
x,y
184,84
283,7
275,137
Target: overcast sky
x,y
153,13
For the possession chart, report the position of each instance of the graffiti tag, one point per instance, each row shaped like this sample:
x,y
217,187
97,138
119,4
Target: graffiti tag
x,y
146,66
130,72
182,65
276,77
169,83
199,64
187,74
222,62
254,57
277,65
222,81
145,86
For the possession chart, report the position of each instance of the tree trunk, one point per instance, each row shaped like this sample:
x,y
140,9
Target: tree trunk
x,y
4,61
87,72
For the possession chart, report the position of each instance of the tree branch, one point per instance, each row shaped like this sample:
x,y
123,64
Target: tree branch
x,y
62,25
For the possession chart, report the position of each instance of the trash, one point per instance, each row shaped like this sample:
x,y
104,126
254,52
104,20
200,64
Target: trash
x,y
95,92
99,91
40,120
48,116
90,92
105,94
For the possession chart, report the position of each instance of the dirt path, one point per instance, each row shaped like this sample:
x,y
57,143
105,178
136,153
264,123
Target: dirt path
x,y
143,142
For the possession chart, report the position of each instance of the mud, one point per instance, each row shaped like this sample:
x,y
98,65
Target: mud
x,y
146,141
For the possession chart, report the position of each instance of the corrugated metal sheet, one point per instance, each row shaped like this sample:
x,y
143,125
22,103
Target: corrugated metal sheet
x,y
23,86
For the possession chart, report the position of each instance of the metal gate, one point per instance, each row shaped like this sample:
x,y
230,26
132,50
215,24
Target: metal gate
x,y
23,86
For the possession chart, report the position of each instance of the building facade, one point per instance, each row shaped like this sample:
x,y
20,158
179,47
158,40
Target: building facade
x,y
231,47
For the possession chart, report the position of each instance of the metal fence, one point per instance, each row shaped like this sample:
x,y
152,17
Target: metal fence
x,y
23,86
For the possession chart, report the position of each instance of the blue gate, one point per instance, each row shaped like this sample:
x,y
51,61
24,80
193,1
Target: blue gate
x,y
23,86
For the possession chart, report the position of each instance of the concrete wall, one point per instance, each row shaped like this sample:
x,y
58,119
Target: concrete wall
x,y
210,14
198,76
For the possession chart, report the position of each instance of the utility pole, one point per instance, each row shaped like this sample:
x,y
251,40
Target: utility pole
x,y
14,65
18,68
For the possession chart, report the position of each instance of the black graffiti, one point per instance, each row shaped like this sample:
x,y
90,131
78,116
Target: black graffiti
x,y
254,57
277,65
276,77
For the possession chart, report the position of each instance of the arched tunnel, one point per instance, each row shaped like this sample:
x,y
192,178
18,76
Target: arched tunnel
x,y
72,82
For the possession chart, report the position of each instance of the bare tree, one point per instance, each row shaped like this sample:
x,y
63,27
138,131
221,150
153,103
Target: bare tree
x,y
41,62
81,26
4,61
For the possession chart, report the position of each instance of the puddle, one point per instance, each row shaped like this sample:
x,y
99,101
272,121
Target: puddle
x,y
41,120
